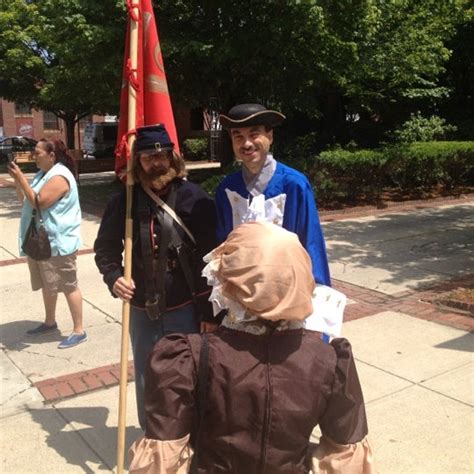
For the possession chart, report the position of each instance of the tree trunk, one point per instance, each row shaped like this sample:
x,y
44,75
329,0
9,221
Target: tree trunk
x,y
70,121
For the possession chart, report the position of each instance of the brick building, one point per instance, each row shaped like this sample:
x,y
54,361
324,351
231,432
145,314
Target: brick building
x,y
17,119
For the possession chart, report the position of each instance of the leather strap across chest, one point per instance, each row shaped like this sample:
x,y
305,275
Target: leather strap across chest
x,y
154,271
170,235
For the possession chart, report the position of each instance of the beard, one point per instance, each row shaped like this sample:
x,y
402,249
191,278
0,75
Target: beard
x,y
157,178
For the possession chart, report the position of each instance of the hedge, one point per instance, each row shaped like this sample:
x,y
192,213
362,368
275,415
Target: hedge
x,y
195,149
343,174
426,164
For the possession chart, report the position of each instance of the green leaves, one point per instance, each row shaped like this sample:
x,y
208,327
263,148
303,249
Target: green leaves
x,y
319,61
423,129
63,56
305,55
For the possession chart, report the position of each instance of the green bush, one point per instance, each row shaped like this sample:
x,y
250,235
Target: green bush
x,y
343,173
340,175
210,184
195,149
422,129
426,164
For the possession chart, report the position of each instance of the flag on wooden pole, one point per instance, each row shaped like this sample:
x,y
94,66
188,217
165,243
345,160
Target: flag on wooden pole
x,y
153,104
144,100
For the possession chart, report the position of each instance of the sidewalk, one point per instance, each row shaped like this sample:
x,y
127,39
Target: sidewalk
x,y
59,408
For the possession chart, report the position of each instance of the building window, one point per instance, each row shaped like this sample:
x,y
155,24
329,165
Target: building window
x,y
50,121
22,110
84,121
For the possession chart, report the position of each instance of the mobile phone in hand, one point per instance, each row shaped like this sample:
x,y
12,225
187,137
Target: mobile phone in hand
x,y
11,162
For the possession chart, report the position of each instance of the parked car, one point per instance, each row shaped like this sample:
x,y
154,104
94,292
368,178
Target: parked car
x,y
10,145
99,139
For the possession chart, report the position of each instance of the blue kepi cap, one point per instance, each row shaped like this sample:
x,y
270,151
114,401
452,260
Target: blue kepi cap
x,y
153,138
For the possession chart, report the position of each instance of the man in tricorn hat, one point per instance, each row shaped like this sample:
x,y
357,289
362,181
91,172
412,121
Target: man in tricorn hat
x,y
265,189
173,228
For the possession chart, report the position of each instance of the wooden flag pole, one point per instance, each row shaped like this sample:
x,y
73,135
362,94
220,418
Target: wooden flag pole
x,y
132,103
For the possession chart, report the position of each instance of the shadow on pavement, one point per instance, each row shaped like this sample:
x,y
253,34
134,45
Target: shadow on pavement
x,y
426,246
13,335
462,343
90,425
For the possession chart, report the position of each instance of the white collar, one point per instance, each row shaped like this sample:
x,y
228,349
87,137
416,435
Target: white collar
x,y
256,184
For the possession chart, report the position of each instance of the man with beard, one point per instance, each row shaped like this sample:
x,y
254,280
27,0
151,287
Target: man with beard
x,y
265,189
173,228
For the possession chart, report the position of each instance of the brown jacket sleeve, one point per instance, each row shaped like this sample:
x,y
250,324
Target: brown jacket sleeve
x,y
344,420
169,389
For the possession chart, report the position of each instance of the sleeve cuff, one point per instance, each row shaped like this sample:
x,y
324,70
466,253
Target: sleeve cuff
x,y
111,277
331,458
149,456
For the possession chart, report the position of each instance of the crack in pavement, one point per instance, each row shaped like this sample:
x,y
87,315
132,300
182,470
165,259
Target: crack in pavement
x,y
17,394
100,310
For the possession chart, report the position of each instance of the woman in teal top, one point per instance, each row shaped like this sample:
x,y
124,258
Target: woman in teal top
x,y
54,191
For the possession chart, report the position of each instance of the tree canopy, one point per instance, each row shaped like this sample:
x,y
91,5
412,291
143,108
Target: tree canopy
x,y
63,56
321,61
346,70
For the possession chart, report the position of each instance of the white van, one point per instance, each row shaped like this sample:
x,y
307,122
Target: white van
x,y
100,139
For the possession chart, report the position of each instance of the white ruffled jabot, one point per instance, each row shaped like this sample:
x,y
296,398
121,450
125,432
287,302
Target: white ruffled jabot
x,y
328,304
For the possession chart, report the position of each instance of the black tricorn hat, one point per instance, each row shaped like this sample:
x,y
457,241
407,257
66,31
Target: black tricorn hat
x,y
248,115
153,138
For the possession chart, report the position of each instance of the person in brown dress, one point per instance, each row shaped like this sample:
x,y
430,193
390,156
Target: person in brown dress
x,y
247,397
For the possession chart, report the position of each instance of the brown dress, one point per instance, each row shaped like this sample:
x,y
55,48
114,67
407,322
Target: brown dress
x,y
266,394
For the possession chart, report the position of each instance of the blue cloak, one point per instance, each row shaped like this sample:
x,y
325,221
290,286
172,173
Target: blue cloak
x,y
300,212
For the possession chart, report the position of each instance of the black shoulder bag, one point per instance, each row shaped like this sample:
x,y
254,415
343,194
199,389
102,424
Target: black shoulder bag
x,y
36,242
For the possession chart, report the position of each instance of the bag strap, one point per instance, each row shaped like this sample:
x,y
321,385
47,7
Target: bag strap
x,y
37,210
203,374
166,225
184,261
170,211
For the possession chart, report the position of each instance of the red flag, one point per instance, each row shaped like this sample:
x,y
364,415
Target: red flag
x,y
149,80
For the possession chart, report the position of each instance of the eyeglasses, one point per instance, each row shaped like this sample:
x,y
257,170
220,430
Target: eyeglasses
x,y
148,158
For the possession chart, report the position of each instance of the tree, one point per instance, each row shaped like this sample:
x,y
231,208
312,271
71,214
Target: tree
x,y
63,56
459,76
332,66
401,59
320,61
